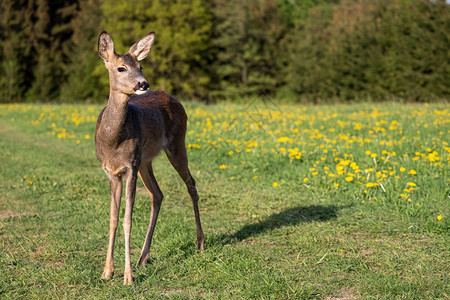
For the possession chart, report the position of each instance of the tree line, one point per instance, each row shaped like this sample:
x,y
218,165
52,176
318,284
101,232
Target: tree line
x,y
297,50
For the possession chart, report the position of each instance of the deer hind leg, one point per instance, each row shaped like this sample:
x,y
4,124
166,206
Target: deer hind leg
x,y
116,194
146,174
176,152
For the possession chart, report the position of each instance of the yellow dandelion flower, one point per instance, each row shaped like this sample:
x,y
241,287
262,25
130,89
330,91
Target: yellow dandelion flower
x,y
336,184
284,139
411,184
87,136
348,178
223,167
439,217
275,184
370,184
256,176
305,179
412,172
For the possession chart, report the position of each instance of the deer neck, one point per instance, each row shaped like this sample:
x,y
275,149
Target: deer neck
x,y
114,117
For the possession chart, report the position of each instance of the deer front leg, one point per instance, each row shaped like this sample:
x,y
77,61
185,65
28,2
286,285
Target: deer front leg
x,y
130,194
116,194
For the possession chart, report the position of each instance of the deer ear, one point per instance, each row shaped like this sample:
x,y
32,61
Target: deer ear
x,y
141,49
105,46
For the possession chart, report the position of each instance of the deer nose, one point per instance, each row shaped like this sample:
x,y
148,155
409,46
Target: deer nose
x,y
145,85
141,86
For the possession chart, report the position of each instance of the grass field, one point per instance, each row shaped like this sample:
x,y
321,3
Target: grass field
x,y
321,202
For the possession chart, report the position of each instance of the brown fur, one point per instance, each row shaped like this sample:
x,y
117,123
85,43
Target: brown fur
x,y
131,130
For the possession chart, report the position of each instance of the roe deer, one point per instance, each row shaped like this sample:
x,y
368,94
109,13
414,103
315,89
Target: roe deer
x,y
131,130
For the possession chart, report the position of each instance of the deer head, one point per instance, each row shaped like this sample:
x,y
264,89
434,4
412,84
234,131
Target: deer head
x,y
125,71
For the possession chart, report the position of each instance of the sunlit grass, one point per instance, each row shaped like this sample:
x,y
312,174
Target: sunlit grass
x,y
380,154
297,202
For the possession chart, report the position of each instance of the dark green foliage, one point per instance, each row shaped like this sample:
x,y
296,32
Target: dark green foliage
x,y
242,63
207,50
14,24
416,43
84,69
177,62
34,32
49,34
372,49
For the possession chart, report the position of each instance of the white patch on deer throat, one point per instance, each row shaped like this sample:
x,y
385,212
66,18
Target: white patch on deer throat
x,y
140,92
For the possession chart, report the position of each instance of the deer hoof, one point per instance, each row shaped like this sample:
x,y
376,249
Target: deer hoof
x,y
107,274
143,259
128,278
200,245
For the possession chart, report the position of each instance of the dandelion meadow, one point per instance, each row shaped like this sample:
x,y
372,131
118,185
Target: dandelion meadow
x,y
302,202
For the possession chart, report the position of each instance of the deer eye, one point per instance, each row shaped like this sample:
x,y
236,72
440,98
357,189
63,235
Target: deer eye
x,y
121,69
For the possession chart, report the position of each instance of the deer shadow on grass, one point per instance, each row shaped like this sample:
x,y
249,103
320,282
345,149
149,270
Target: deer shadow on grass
x,y
289,217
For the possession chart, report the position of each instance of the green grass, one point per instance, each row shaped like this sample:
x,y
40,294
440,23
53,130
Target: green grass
x,y
296,202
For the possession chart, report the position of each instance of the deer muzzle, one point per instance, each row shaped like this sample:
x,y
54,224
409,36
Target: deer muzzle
x,y
141,87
